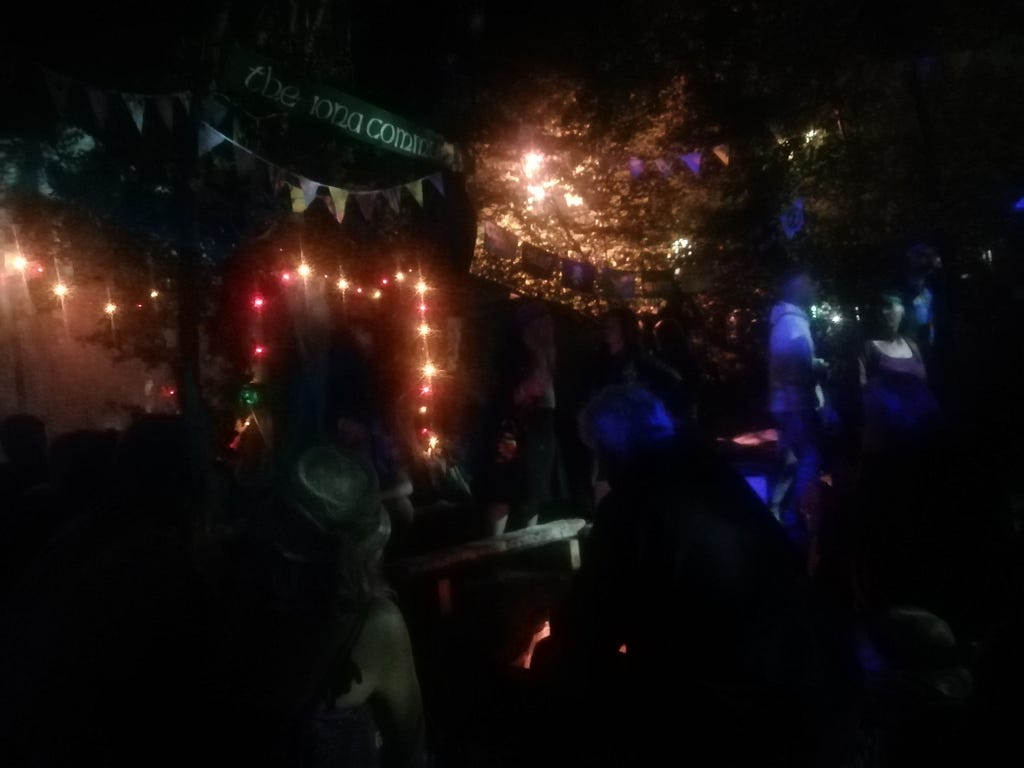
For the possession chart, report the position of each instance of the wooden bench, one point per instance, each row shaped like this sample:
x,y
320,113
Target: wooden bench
x,y
440,565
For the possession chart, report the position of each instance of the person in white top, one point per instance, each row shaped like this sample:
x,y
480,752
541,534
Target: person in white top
x,y
794,396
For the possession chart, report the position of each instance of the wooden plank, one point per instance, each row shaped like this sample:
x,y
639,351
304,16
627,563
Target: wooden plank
x,y
514,541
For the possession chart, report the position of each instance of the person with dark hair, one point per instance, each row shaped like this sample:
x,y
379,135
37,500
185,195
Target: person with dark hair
x,y
315,650
527,472
898,406
690,610
795,397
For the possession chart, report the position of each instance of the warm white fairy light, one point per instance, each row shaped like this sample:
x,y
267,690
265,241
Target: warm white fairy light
x,y
20,263
429,369
423,409
343,284
377,294
60,290
532,162
111,308
304,270
154,293
421,287
432,442
400,277
424,329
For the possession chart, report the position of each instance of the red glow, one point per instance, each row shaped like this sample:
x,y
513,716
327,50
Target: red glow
x,y
424,431
423,307
359,290
257,302
260,350
39,269
426,390
138,306
287,277
384,281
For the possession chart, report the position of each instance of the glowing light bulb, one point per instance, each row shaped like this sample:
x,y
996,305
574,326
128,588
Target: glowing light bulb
x,y
432,442
287,277
19,263
425,390
429,370
421,287
154,293
377,294
259,350
39,270
343,284
304,270
423,307
359,290
531,163
111,308
60,290
424,329
400,277
384,281
423,409
257,302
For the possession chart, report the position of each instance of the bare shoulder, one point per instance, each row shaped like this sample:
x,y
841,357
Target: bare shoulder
x,y
385,627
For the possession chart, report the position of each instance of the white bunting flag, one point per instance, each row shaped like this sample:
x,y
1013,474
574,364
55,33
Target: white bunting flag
x,y
309,190
416,190
340,198
663,167
186,102
209,138
137,107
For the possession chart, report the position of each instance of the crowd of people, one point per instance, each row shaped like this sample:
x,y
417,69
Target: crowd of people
x,y
162,607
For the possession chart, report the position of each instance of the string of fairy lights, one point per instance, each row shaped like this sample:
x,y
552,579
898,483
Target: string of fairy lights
x,y
426,371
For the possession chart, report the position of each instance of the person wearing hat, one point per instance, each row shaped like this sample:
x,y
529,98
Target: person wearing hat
x,y
319,650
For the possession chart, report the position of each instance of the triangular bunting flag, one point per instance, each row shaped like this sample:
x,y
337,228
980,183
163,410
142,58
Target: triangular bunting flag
x,y
298,200
59,87
722,153
340,198
186,101
309,190
416,190
165,106
137,106
663,168
618,285
367,202
209,138
578,275
98,100
692,161
214,112
438,181
498,242
636,166
393,197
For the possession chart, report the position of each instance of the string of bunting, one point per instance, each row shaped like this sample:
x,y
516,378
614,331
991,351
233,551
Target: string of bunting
x,y
304,190
104,104
574,272
669,164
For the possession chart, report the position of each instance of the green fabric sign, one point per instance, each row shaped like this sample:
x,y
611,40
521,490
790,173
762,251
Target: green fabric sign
x,y
256,75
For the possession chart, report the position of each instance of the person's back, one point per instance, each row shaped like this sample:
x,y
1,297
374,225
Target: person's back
x,y
686,572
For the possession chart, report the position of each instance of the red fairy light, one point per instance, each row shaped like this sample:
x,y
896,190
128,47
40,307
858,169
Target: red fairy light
x,y
257,302
423,307
259,350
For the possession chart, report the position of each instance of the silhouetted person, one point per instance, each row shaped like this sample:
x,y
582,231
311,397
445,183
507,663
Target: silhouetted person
x,y
688,629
